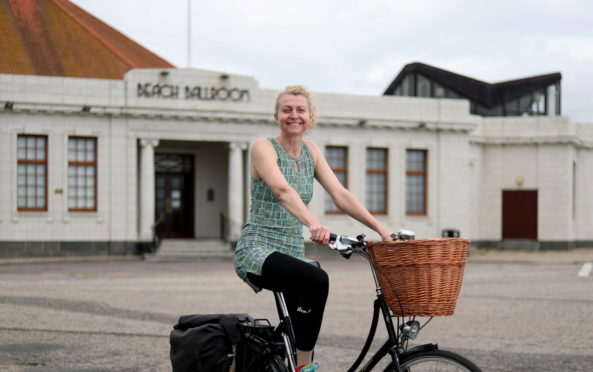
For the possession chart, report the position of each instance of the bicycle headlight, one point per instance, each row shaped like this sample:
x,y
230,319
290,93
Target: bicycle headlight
x,y
410,329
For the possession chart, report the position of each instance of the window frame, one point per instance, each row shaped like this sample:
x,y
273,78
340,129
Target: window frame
x,y
423,173
336,171
385,172
35,162
83,163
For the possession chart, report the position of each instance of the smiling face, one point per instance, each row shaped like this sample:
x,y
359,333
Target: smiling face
x,y
293,114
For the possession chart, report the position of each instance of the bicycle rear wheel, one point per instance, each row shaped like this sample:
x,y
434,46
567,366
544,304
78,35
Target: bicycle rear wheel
x,y
435,361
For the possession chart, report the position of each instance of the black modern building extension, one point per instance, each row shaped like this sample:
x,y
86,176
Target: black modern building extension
x,y
536,95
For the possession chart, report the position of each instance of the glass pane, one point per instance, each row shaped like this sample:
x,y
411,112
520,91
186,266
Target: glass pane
x,y
375,192
21,141
71,193
90,171
415,160
90,155
439,90
21,153
22,180
30,169
21,191
22,202
71,203
22,169
71,155
71,181
336,157
30,202
41,180
415,202
30,153
422,86
90,203
80,155
406,84
375,159
40,202
80,203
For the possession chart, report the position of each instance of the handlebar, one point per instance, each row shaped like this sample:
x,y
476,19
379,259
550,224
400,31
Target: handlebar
x,y
346,245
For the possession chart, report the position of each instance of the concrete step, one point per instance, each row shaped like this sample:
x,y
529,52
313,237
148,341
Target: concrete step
x,y
172,249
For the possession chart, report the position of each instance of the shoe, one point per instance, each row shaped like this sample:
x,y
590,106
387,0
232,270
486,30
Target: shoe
x,y
308,367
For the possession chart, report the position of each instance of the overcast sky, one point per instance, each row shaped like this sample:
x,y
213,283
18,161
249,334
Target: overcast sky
x,y
359,46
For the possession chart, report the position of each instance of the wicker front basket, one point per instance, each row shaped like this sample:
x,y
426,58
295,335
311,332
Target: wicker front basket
x,y
420,277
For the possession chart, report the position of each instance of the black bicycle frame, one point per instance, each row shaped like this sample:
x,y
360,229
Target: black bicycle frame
x,y
286,330
390,346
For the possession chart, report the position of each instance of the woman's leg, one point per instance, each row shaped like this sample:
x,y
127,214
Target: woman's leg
x,y
305,287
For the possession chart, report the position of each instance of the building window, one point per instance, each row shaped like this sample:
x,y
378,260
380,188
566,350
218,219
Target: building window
x,y
416,182
376,180
82,174
337,158
31,173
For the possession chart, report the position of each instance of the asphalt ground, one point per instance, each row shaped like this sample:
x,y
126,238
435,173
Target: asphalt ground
x,y
518,311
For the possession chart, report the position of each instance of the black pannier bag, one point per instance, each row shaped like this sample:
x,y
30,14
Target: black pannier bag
x,y
204,342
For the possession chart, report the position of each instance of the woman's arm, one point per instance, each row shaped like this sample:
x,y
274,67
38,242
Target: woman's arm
x,y
264,165
343,198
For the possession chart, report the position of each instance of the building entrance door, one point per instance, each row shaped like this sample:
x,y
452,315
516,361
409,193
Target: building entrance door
x,y
519,214
174,195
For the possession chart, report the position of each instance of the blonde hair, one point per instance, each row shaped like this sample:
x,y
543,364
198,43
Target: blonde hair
x,y
299,90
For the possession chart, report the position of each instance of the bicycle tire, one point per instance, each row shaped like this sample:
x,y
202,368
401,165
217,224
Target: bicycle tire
x,y
434,361
255,356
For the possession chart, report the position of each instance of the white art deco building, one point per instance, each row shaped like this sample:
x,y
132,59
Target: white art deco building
x,y
90,165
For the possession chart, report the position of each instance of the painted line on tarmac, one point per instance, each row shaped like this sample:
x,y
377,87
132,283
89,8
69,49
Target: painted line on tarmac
x,y
586,270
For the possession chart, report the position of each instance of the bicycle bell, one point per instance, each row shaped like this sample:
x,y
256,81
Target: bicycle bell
x,y
404,235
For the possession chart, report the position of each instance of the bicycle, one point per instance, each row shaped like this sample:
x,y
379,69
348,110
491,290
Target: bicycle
x,y
265,348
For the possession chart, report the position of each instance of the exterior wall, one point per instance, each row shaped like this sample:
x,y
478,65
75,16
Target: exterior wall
x,y
543,154
583,199
114,220
470,159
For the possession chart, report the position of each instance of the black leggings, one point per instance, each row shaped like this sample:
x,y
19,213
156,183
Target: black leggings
x,y
305,287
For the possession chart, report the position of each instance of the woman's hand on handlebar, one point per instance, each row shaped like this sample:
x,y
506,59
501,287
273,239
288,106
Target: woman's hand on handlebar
x,y
320,234
386,235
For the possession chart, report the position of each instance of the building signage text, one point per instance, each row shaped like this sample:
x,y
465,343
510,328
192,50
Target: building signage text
x,y
170,91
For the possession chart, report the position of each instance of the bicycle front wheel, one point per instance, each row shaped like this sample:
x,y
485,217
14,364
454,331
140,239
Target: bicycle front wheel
x,y
435,361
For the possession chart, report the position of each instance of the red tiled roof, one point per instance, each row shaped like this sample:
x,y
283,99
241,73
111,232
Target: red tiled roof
x,y
57,38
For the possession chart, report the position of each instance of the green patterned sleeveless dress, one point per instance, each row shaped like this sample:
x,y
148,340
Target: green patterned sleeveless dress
x,y
270,227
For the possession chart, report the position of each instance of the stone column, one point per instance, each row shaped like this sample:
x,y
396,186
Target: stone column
x,y
147,187
235,190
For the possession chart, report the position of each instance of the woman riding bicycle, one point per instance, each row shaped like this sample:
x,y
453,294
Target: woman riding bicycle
x,y
270,252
